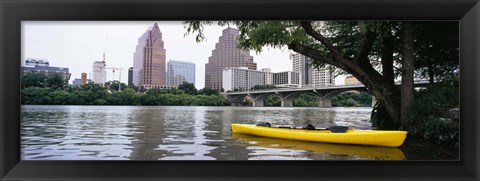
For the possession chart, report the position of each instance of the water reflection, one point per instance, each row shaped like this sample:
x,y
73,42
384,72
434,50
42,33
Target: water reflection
x,y
181,133
148,125
185,139
269,148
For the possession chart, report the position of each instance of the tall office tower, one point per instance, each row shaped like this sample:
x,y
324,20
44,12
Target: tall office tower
x,y
149,60
179,71
301,64
130,76
99,72
84,78
226,54
323,76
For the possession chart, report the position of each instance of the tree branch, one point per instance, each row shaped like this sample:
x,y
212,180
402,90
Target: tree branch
x,y
307,26
317,55
366,44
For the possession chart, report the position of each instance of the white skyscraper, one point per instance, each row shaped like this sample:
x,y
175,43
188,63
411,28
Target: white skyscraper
x,y
310,75
301,64
99,73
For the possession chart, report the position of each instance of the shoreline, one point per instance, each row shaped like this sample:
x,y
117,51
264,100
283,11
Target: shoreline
x,y
416,148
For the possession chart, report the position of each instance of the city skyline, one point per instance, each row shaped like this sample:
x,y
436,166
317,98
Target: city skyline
x,y
77,44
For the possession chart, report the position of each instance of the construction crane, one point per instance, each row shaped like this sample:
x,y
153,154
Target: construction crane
x,y
119,75
112,68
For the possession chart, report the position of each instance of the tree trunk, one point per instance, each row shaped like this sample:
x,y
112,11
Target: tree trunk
x,y
383,89
407,90
387,58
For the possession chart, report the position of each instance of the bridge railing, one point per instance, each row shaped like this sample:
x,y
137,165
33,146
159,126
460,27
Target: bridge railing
x,y
311,88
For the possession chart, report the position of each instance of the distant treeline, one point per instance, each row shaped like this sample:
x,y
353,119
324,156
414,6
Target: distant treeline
x,y
38,89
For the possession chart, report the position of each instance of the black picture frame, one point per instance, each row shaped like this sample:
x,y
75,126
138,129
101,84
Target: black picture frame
x,y
12,12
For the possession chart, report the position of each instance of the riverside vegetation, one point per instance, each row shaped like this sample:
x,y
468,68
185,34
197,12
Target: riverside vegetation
x,y
38,89
54,91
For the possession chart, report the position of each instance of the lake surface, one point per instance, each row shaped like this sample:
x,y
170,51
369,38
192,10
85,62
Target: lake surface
x,y
184,133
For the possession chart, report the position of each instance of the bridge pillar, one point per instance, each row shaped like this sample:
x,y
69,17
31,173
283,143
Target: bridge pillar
x,y
287,102
325,102
258,102
374,101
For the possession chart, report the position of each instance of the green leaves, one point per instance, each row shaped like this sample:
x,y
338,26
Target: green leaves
x,y
91,94
350,99
53,80
188,88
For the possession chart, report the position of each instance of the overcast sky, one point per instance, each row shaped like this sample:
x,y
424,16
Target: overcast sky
x,y
77,44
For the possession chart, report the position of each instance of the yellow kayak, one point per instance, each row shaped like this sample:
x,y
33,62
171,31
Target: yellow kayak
x,y
350,136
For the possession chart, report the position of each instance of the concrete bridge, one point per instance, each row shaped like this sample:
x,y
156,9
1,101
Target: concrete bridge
x,y
323,94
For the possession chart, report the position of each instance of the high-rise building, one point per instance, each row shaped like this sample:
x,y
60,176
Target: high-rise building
x,y
226,54
149,60
43,67
130,76
99,72
311,75
84,78
323,76
301,64
242,78
286,79
180,71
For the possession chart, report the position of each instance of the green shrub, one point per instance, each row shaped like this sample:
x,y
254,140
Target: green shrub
x,y
430,115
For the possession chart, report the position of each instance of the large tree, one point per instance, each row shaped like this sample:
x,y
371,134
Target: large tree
x,y
356,47
34,80
188,88
436,50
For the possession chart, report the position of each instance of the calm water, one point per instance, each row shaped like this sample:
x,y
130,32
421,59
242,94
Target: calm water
x,y
184,133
